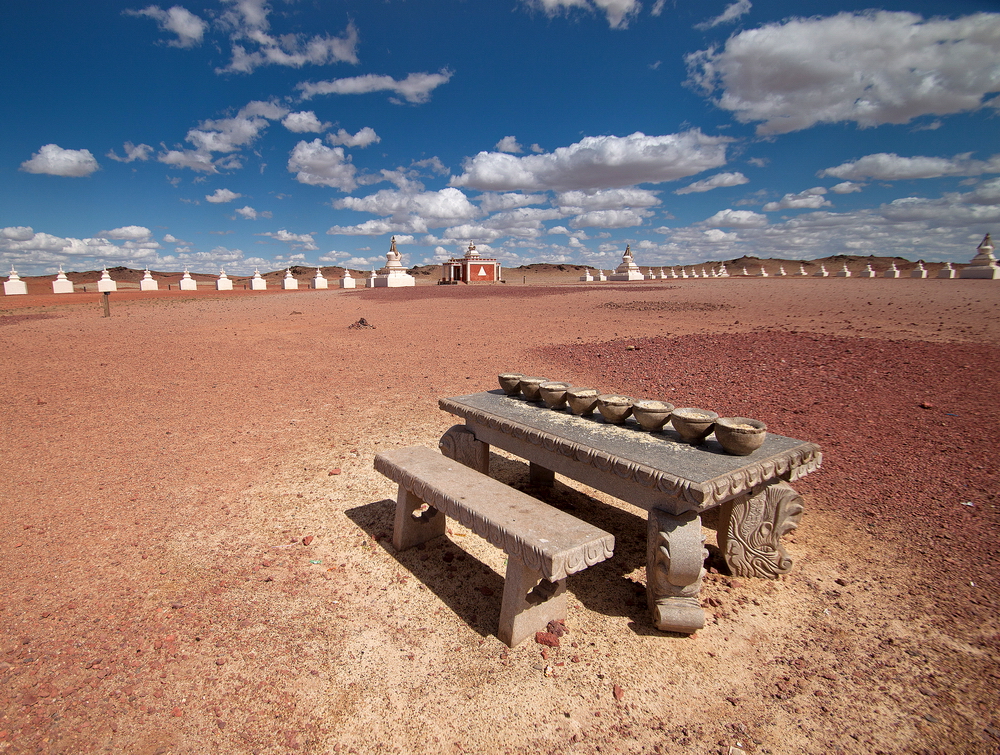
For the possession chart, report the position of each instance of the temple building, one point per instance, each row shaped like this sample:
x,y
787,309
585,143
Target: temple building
x,y
471,268
984,264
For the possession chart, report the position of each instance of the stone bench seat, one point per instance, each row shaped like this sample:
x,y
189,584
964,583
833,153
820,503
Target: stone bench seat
x,y
543,544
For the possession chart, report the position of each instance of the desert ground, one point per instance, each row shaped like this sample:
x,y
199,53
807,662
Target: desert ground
x,y
196,552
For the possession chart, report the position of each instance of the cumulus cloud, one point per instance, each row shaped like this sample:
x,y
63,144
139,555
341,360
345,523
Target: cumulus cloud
x,y
735,219
222,195
127,233
490,202
365,137
717,181
609,219
253,47
189,28
509,144
415,88
303,241
870,68
53,160
414,212
810,199
304,122
846,187
571,202
888,166
318,165
618,12
597,162
249,213
732,12
132,152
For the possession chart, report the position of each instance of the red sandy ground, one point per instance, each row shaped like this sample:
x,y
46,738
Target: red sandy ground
x,y
161,467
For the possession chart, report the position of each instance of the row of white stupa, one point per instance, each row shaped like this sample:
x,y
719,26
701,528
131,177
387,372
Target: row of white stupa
x,y
393,275
983,265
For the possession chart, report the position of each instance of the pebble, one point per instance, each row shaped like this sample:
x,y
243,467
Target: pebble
x,y
307,540
547,638
618,692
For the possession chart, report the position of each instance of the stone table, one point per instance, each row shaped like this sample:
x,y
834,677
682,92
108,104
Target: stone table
x,y
672,480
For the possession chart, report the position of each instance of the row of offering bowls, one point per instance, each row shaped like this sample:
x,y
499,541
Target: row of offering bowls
x,y
739,436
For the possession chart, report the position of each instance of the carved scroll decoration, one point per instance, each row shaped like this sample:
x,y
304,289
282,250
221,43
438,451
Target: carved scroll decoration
x,y
460,444
789,466
675,566
754,524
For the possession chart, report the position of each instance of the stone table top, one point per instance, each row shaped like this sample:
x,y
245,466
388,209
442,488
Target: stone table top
x,y
702,476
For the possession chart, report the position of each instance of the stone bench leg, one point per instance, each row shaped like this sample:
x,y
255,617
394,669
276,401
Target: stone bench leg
x,y
530,602
751,527
540,476
460,444
413,525
675,565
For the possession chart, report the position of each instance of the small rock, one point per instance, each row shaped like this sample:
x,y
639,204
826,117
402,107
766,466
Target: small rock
x,y
931,718
334,472
176,713
220,661
547,638
926,405
557,627
618,692
842,582
307,540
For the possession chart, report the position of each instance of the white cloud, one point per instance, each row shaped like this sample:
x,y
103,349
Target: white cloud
x,y
368,228
987,193
127,233
732,12
715,235
53,160
132,152
870,68
609,219
597,162
509,144
365,137
304,122
189,28
717,181
736,219
17,233
571,202
222,195
538,150
253,46
318,165
414,212
888,166
415,88
810,199
846,187
490,202
618,12
303,241
249,213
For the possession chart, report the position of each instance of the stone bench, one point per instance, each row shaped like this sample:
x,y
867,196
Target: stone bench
x,y
543,544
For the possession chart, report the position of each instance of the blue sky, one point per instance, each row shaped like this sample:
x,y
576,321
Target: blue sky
x,y
263,133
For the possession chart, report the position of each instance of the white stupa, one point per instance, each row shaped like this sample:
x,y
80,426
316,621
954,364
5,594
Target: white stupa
x,y
105,284
984,264
289,283
257,283
62,284
318,281
802,269
148,282
781,270
370,280
347,281
393,275
628,270
587,277
892,272
868,272
947,271
821,273
843,272
187,282
223,283
919,271
14,286
600,276
762,273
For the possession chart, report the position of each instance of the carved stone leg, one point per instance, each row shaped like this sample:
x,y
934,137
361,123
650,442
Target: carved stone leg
x,y
538,475
751,527
414,524
675,565
460,444
530,602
